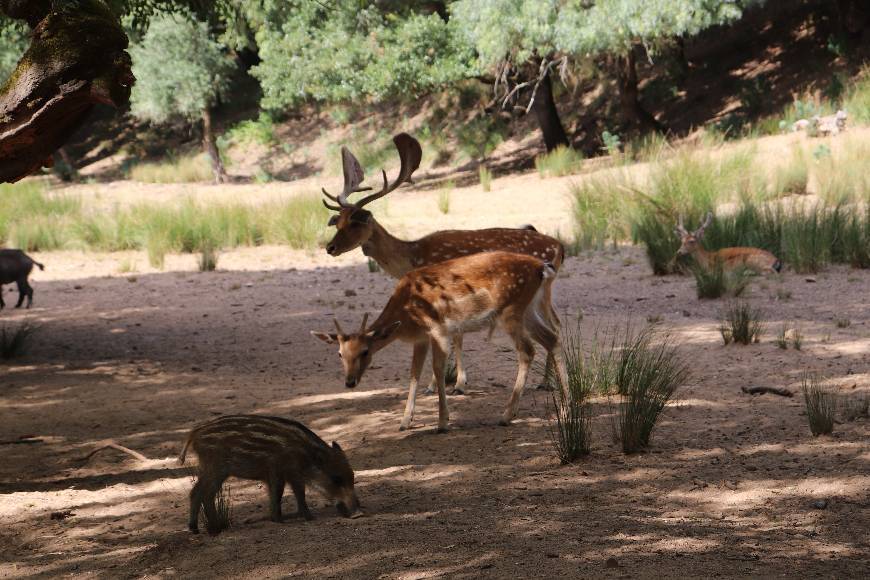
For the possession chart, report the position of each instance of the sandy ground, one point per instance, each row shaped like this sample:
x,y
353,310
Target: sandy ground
x,y
729,487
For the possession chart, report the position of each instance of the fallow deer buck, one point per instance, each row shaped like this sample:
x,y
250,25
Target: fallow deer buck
x,y
755,259
434,304
357,227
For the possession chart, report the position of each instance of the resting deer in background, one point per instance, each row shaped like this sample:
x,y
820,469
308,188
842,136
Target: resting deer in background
x,y
755,259
434,304
358,227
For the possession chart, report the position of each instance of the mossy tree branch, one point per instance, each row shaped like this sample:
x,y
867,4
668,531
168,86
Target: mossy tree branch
x,y
76,59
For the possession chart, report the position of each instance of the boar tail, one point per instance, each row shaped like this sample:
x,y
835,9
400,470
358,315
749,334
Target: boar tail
x,y
183,455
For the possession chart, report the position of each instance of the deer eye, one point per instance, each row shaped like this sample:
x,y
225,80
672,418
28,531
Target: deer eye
x,y
365,352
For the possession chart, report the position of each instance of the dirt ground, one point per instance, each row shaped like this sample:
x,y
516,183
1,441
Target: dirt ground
x,y
732,485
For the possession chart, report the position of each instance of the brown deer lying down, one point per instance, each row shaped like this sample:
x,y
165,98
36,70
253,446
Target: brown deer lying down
x,y
15,266
432,305
755,259
357,227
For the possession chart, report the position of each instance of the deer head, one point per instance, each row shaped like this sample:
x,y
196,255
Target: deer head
x,y
354,224
690,241
356,349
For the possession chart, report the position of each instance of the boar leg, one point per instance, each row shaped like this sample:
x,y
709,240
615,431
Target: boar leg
x,y
195,504
22,292
301,507
276,490
417,360
2,304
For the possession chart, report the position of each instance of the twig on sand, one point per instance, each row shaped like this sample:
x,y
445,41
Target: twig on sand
x,y
22,441
763,390
112,445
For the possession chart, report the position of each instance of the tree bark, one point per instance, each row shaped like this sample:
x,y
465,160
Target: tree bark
x,y
209,144
548,115
77,58
629,95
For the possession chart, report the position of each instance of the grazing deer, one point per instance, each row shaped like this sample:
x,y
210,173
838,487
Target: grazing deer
x,y
357,227
434,304
756,259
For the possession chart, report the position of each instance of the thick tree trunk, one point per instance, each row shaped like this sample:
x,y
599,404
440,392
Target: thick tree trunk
x,y
209,145
548,115
629,96
76,58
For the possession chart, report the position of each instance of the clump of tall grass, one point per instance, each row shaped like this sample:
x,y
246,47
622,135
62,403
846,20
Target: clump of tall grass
x,y
28,200
855,407
570,427
560,161
842,176
792,178
183,169
716,281
647,372
857,98
444,201
485,176
600,208
821,405
207,258
15,341
741,323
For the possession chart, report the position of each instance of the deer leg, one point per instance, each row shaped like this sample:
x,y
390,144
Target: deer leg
x,y
525,355
439,366
417,360
460,368
2,304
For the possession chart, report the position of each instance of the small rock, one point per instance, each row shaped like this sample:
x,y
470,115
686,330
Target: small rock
x,y
820,504
810,280
61,515
350,292
611,563
77,287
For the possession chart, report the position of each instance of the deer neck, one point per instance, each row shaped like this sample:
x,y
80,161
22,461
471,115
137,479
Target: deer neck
x,y
393,255
702,256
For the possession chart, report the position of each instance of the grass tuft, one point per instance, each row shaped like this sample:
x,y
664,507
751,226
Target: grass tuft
x,y
741,324
821,405
444,201
560,161
570,427
648,370
717,282
223,509
185,169
485,176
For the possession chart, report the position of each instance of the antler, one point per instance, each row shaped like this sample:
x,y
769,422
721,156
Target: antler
x,y
338,327
707,221
410,153
353,176
362,327
681,229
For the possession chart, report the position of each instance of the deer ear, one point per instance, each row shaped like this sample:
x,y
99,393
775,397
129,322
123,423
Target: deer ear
x,y
384,333
361,216
336,446
333,220
327,337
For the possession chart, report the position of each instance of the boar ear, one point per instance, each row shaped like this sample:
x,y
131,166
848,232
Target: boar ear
x,y
336,446
327,337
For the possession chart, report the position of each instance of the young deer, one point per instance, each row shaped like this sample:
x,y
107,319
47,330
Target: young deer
x,y
756,259
432,305
358,227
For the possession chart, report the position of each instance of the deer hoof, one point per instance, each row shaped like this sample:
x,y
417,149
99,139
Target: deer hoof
x,y
457,391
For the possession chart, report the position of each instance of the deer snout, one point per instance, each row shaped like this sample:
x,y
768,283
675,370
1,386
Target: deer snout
x,y
350,382
330,249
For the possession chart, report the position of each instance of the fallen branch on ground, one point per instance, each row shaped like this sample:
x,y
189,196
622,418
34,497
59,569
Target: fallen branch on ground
x,y
763,390
113,445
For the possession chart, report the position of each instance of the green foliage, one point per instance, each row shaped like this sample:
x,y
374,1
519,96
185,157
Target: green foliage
x,y
648,370
180,70
612,143
741,324
260,130
820,403
558,162
345,52
13,42
479,137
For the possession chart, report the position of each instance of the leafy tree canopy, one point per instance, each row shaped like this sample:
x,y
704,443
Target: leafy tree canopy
x,y
181,70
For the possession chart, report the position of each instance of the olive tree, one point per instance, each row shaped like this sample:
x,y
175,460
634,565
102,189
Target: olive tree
x,y
188,88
